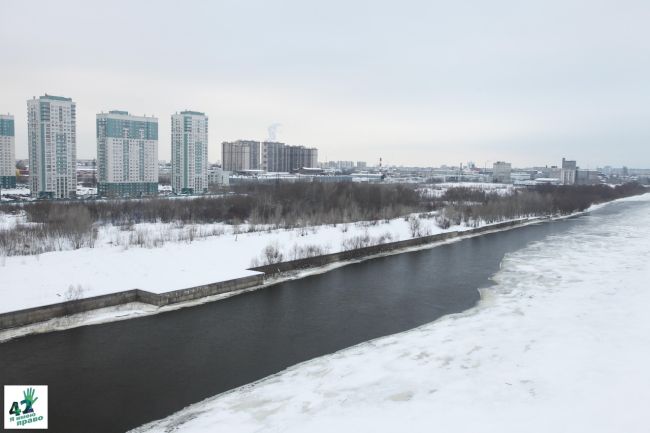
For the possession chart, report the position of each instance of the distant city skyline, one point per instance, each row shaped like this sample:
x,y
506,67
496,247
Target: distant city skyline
x,y
415,83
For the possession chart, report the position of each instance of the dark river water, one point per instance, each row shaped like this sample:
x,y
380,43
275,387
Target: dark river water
x,y
116,376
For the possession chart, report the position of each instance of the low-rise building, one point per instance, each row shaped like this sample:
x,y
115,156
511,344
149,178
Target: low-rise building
x,y
588,177
218,177
520,176
548,181
501,172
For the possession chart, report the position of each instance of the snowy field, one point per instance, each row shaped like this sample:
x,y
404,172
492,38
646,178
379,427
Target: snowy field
x,y
167,260
439,189
24,192
560,343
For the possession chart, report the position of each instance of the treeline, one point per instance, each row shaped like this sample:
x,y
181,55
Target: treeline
x,y
302,204
286,205
325,203
55,225
472,206
52,225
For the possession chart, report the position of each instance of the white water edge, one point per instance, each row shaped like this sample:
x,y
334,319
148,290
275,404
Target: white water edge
x,y
560,343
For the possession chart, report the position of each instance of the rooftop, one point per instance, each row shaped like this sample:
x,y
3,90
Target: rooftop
x,y
124,115
55,98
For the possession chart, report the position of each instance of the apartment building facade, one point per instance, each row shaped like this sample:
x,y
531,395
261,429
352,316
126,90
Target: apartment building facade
x,y
189,152
7,152
279,157
52,146
127,154
240,155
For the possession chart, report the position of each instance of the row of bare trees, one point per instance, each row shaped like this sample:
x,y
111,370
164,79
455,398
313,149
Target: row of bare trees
x,y
471,206
283,204
52,225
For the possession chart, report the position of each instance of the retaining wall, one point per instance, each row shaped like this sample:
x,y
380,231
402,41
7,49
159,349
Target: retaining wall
x,y
40,314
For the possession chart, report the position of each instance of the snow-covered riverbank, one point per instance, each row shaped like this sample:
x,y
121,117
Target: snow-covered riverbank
x,y
137,309
560,343
217,252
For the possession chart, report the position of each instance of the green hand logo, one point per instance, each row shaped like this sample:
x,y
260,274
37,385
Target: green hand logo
x,y
29,400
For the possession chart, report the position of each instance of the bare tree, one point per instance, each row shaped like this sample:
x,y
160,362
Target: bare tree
x,y
415,227
271,254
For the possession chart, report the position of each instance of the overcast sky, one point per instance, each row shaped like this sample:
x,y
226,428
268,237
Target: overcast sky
x,y
415,82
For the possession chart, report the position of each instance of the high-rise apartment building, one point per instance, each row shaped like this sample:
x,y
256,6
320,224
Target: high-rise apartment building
x,y
278,157
240,155
302,157
189,152
127,154
7,152
274,157
52,145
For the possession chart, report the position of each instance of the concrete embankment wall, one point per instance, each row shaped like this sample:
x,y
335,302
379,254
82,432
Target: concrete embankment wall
x,y
40,314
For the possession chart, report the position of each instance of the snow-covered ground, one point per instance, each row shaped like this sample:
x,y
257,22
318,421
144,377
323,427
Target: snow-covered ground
x,y
439,189
9,221
83,191
163,263
5,193
476,185
560,343
24,192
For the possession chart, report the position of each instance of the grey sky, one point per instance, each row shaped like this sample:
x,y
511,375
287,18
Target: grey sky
x,y
414,82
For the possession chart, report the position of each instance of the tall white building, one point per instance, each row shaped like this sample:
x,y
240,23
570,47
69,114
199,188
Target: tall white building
x,y
52,142
127,154
189,152
7,152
